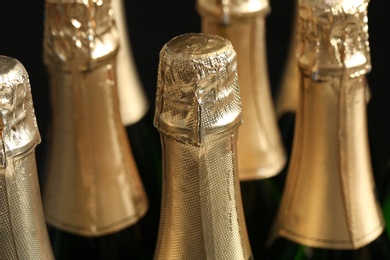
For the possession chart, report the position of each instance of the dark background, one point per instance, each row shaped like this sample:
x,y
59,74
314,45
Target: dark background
x,y
153,23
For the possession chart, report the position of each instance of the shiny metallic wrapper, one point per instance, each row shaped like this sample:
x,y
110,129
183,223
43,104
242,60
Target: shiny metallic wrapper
x,y
198,112
23,233
329,200
261,153
92,185
133,103
288,92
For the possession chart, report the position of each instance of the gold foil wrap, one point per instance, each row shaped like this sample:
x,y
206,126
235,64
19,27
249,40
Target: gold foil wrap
x,y
288,92
198,112
23,233
329,200
92,185
261,152
132,99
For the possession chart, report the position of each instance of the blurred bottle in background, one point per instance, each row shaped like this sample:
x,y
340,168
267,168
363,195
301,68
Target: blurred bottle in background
x,y
260,150
287,92
261,153
136,112
93,198
132,99
329,204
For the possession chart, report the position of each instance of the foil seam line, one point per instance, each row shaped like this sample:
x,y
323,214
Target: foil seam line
x,y
344,180
21,152
199,136
90,66
297,141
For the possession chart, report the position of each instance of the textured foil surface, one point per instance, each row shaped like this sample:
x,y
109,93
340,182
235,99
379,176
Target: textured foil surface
x,y
333,38
288,94
92,183
132,99
261,153
23,233
79,35
329,200
198,112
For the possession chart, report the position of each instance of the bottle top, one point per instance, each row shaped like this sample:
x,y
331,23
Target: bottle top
x,y
197,88
232,9
19,129
333,38
79,35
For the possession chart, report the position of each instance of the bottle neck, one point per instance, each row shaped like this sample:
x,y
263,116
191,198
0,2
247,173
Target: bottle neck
x,y
202,215
78,34
261,152
23,229
133,101
329,199
90,154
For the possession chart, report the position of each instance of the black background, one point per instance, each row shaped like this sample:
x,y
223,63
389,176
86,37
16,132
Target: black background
x,y
153,23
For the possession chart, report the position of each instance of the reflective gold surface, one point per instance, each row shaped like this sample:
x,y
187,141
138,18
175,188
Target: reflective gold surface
x,y
260,150
329,199
288,92
198,112
132,99
23,233
334,38
224,10
92,185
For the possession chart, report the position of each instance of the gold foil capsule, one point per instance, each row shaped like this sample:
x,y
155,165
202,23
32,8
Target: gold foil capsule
x,y
23,233
329,200
288,93
198,112
261,153
92,185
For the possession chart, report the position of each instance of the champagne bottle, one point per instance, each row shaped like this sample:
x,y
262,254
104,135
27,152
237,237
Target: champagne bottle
x,y
287,93
94,199
260,150
133,103
137,117
261,153
198,112
23,233
329,204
